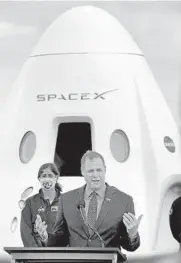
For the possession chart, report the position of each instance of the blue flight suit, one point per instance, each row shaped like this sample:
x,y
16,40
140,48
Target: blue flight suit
x,y
36,204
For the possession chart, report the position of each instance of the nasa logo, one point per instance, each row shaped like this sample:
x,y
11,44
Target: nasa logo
x,y
73,96
169,144
41,209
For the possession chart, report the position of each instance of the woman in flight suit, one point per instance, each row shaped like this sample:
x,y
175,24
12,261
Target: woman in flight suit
x,y
42,205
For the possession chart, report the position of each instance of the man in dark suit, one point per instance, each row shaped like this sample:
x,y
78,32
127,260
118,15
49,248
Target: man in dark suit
x,y
94,215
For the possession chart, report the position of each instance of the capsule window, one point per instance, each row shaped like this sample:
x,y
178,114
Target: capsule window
x,y
14,224
119,145
27,147
26,193
73,140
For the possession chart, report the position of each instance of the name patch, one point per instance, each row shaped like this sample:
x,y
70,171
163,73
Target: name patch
x,y
54,208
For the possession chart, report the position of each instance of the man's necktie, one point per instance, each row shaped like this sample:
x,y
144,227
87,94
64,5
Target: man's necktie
x,y
92,212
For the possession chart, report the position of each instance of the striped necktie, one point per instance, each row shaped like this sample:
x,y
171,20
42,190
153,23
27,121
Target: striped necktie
x,y
92,212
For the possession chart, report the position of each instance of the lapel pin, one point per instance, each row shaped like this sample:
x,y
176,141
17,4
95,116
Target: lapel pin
x,y
108,199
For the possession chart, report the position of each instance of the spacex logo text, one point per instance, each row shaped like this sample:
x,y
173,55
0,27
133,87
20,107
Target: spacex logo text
x,y
73,96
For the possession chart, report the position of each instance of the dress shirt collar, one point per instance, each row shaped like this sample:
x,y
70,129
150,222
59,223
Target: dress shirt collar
x,y
100,192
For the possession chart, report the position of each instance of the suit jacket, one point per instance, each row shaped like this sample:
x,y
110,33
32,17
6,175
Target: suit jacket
x,y
71,230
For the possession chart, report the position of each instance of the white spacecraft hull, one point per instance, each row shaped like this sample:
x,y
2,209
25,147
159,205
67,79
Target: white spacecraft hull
x,y
110,87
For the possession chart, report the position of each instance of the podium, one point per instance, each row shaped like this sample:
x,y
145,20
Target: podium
x,y
65,255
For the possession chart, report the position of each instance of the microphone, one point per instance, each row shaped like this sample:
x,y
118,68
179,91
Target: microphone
x,y
97,233
81,206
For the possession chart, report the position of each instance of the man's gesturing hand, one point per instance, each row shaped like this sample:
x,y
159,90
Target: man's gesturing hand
x,y
131,223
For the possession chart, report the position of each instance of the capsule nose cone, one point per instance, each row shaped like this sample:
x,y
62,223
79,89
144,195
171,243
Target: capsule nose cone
x,y
86,29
